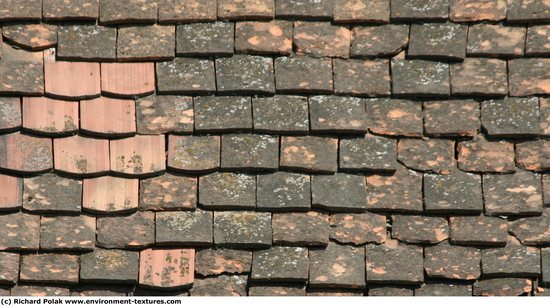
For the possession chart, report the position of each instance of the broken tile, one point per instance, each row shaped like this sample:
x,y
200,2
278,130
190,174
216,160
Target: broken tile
x,y
245,74
20,10
52,193
36,291
25,154
168,192
451,118
129,232
283,191
280,264
532,230
67,233
108,117
358,228
375,41
183,228
529,76
359,11
205,38
138,155
428,155
131,11
194,153
222,114
217,261
512,260
419,229
223,285
321,39
294,229
186,10
159,114
478,230
399,192
127,79
81,156
495,40
339,193
511,117
9,264
186,75
71,80
394,117
22,231
110,194
444,289
146,43
369,153
21,72
394,263
390,291
304,9
312,154
420,78
533,155
337,266
259,37
246,229
70,9
301,74
276,290
481,155
480,77
166,268
250,152
109,266
475,10
409,10
246,9
11,197
31,36
449,261
526,11
330,114
438,40
10,113
538,40
512,194
456,193
50,268
86,42
227,191
362,77
281,114
503,287
48,116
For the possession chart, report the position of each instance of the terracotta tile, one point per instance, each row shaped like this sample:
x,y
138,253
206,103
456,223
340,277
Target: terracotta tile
x,y
106,117
246,9
9,264
50,193
134,231
110,194
38,291
168,192
70,9
128,79
50,268
81,155
10,113
21,72
194,153
31,36
139,155
21,231
187,10
11,192
127,11
20,10
167,268
25,154
146,43
48,116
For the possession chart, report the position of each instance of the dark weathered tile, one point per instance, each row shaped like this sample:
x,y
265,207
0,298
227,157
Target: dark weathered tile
x,y
525,11
25,154
475,10
537,41
511,117
339,193
50,268
70,10
312,154
67,233
109,266
186,10
30,290
513,260
302,74
21,72
503,287
223,285
495,40
245,229
369,153
260,37
394,263
31,36
86,42
227,191
451,118
192,228
336,114
420,78
218,261
250,152
438,40
544,109
545,265
277,290
394,117
146,43
168,192
358,228
444,289
533,155
478,230
185,76
449,261
159,114
10,113
205,39
399,192
20,10
529,76
280,264
194,153
532,230
419,229
381,290
221,114
304,9
512,194
337,266
245,74
246,9
362,77
481,155
358,11
132,11
479,77
321,39
9,264
130,231
294,229
405,10
456,193
283,191
22,231
428,155
51,193
375,41
281,114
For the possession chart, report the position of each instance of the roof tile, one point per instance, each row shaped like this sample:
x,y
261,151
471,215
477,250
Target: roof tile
x,y
481,155
246,9
221,114
25,154
168,192
194,153
304,9
216,38
321,39
227,191
379,290
526,11
131,11
10,114
358,11
162,114
368,153
47,116
50,193
250,152
93,290
362,77
67,233
31,36
394,263
294,229
281,114
420,78
32,290
245,74
419,229
511,117
11,197
438,40
533,155
451,118
512,194
71,80
146,43
81,156
138,155
217,261
50,268
301,74
357,228
511,261
312,154
193,228
546,188
108,117
334,292
281,191
166,268
503,287
443,289
394,117
22,231
532,230
223,285
398,192
126,232
71,9
478,230
449,261
538,40
109,266
186,75
334,114
495,40
338,266
273,37
529,76
280,264
428,155
419,10
376,41
110,194
86,42
127,79
545,265
242,229
21,72
475,10
339,193
9,264
277,290
456,193
20,10
186,10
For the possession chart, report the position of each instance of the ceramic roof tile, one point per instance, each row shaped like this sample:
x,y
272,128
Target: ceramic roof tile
x,y
153,264
292,229
443,289
108,117
306,9
50,268
146,43
488,230
217,261
194,154
419,9
222,114
450,261
451,118
496,40
193,228
280,264
109,266
213,38
75,233
132,11
525,11
86,42
428,155
375,41
246,9
23,231
10,268
438,40
186,10
511,117
50,193
127,79
38,291
186,75
339,193
476,10
10,113
329,267
334,114
273,37
362,77
109,194
302,74
242,229
281,114
368,153
168,192
503,287
533,155
140,155
81,155
394,117
538,40
482,155
166,113
311,154
247,74
458,192
24,153
528,76
480,77
42,115
14,63
321,39
420,78
419,229
227,191
397,192
70,10
532,230
223,285
282,290
254,152
20,10
31,36
394,263
134,231
356,11
282,191
358,228
11,197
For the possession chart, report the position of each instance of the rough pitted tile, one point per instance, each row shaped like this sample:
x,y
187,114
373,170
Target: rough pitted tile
x,y
321,39
538,40
304,9
283,191
108,117
280,264
337,266
11,197
100,290
70,9
512,261
370,153
71,80
481,155
186,75
222,114
503,287
312,154
47,116
405,10
273,37
51,193
31,36
10,113
205,38
512,194
528,11
545,265
146,43
186,10
444,289
67,233
495,40
375,41
127,79
451,118
399,192
39,291
394,117
250,152
25,154
533,230
358,228
371,11
131,11
184,228
21,72
438,40
109,266
390,291
242,229
86,42
529,76
22,231
459,192
110,194
246,9
281,114
245,74
394,263
478,230
194,154
9,264
477,76
303,74
20,10
294,229
218,261
223,285
419,229
130,231
159,114
362,77
420,78
227,191
50,268
428,155
511,117
139,155
332,114
168,192
449,261
476,10
533,155
277,290
166,268
339,193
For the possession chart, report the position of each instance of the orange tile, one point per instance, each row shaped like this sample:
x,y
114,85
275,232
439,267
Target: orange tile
x,y
166,268
139,155
110,194
25,154
82,156
108,117
11,192
71,80
128,79
50,116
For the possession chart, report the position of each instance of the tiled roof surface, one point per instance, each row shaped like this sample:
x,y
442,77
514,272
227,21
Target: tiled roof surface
x,y
275,147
